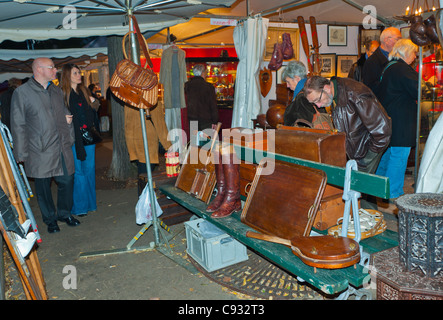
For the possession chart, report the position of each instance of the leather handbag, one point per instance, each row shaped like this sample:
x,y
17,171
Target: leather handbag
x,y
134,84
90,136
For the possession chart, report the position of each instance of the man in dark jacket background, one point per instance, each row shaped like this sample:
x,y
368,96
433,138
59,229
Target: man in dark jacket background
x,y
201,101
356,71
376,62
43,135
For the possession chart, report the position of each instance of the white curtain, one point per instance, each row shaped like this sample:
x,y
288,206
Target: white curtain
x,y
249,40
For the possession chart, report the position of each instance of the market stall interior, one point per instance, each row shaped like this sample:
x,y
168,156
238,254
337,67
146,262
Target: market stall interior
x,y
296,185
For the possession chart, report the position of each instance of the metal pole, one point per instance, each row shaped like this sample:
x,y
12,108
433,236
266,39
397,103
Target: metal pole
x,y
135,56
417,143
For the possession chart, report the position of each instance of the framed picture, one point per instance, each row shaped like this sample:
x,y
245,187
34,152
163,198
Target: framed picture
x,y
275,35
328,65
344,64
337,35
367,35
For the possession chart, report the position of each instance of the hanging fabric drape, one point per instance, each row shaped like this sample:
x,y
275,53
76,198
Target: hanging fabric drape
x,y
249,40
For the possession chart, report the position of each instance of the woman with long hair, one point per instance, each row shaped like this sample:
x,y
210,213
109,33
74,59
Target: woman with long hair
x,y
80,102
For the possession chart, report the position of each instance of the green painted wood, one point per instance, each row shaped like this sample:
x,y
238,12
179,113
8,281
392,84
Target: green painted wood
x,y
383,241
360,181
328,281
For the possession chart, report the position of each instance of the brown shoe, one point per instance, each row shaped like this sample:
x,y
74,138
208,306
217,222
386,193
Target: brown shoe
x,y
221,185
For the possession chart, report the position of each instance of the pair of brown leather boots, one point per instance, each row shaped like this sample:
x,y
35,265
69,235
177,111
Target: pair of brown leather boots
x,y
282,51
227,173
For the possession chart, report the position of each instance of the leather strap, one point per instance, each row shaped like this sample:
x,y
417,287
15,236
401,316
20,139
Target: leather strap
x,y
142,41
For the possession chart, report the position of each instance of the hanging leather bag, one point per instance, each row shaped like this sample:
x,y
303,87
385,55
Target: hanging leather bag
x,y
134,84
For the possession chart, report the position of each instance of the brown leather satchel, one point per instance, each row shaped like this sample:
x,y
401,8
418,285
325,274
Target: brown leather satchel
x,y
134,84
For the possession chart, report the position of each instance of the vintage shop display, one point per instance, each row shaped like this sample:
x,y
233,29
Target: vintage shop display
x,y
287,217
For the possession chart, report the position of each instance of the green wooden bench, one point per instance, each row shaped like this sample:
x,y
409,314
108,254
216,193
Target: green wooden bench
x,y
331,282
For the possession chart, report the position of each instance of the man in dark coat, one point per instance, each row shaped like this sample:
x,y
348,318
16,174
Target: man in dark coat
x,y
376,62
43,135
356,71
201,101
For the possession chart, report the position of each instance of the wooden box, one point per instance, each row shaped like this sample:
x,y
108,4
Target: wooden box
x,y
312,144
251,138
196,177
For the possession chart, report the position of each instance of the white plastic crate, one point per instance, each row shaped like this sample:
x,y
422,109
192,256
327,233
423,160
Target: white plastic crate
x,y
212,248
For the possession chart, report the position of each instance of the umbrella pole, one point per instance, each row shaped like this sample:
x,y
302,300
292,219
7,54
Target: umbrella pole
x,y
166,249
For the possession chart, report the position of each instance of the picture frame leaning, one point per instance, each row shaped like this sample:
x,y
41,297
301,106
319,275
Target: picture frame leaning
x,y
337,35
344,64
328,68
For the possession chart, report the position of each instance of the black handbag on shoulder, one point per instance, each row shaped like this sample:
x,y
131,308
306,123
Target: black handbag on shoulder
x,y
90,136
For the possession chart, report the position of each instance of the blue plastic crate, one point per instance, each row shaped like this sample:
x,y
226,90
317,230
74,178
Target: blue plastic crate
x,y
212,248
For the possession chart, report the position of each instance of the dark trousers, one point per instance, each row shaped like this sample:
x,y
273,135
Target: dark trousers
x,y
65,188
369,164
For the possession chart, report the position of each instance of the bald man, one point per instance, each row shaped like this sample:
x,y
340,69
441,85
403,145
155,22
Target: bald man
x,y
373,67
43,136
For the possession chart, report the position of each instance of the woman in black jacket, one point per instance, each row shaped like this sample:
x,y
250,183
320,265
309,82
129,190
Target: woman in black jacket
x,y
398,94
80,102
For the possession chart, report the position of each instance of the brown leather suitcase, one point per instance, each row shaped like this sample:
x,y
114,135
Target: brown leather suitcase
x,y
202,185
311,144
284,203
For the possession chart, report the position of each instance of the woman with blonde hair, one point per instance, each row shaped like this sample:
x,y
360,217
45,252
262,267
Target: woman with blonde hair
x,y
398,95
80,102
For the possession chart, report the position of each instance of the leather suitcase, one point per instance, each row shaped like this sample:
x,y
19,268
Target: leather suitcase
x,y
195,178
284,203
312,144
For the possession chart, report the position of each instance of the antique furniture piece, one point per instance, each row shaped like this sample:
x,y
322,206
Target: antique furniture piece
x,y
420,230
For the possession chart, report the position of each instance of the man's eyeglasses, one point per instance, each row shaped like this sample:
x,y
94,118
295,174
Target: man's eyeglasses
x,y
48,67
319,98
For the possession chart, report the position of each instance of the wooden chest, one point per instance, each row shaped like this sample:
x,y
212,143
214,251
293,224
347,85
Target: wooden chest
x,y
311,144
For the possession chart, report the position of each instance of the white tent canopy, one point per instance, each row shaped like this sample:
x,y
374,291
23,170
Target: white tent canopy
x,y
63,19
24,55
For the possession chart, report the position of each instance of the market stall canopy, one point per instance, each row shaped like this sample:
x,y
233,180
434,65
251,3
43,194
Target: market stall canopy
x,y
201,31
62,19
21,60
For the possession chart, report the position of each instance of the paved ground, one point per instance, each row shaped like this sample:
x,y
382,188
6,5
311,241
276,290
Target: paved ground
x,y
130,275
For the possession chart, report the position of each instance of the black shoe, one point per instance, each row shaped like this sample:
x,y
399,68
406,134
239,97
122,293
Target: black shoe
x,y
71,221
53,228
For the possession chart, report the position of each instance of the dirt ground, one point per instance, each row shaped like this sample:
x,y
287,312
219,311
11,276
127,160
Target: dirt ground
x,y
120,275
128,275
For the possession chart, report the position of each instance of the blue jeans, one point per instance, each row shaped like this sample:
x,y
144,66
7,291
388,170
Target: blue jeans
x,y
393,165
84,183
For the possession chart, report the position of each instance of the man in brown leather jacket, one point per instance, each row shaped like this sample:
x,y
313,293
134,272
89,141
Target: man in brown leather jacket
x,y
357,112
